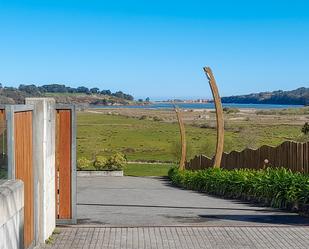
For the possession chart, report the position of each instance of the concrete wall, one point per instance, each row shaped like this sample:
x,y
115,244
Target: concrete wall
x,y
11,214
44,117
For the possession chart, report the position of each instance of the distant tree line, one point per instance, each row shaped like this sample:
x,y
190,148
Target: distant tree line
x,y
298,96
59,88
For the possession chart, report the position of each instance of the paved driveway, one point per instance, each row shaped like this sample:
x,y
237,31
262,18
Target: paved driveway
x,y
152,201
181,238
148,213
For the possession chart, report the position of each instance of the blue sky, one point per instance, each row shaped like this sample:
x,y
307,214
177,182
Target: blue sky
x,y
156,48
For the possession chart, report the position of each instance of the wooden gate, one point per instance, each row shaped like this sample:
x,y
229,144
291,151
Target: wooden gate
x,y
20,163
65,165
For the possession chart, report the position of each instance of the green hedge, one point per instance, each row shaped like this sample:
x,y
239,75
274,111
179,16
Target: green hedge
x,y
276,187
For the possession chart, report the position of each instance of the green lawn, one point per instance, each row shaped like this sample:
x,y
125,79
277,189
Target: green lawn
x,y
147,169
153,140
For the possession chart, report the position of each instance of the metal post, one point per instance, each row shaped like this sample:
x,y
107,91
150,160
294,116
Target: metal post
x,y
9,114
73,161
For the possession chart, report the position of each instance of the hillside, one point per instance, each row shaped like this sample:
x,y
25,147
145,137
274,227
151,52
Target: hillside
x,y
299,96
64,95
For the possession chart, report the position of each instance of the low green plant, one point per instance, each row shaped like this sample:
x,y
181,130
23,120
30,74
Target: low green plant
x,y
56,231
302,138
49,241
100,162
276,187
83,163
116,162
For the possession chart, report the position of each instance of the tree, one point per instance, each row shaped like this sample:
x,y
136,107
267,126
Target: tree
x,y
82,89
140,100
55,88
71,89
106,92
148,99
41,89
128,97
94,90
31,89
119,94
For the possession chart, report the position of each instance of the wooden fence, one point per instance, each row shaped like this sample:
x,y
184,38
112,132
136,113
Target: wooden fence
x,y
291,155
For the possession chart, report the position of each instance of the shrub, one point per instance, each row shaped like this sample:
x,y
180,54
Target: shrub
x,y
211,125
302,138
116,162
305,129
83,163
277,187
229,110
100,162
156,118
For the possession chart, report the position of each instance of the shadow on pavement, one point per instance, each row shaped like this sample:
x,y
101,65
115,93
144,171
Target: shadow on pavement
x,y
284,219
175,207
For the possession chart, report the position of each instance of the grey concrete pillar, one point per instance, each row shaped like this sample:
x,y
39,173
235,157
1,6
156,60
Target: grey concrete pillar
x,y
44,126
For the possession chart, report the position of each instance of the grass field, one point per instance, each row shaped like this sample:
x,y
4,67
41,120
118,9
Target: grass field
x,y
147,140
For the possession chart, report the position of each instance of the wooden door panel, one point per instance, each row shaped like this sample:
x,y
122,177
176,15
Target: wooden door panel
x,y
24,168
63,164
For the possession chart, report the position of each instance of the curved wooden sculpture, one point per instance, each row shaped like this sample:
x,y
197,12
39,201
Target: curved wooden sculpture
x,y
183,139
219,116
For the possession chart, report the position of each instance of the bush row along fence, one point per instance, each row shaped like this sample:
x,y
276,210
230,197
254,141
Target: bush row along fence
x,y
290,155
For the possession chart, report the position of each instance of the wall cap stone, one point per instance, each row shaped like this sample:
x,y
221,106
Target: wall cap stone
x,y
87,173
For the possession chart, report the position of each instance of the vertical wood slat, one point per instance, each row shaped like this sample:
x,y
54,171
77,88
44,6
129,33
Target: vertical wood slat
x,y
290,155
24,168
63,164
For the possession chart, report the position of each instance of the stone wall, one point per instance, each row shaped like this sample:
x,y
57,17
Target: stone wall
x,y
44,165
